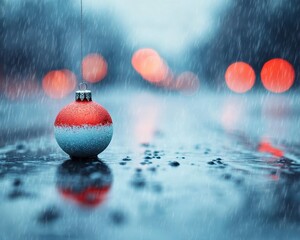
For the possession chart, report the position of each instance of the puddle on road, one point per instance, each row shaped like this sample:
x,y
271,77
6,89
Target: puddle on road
x,y
188,174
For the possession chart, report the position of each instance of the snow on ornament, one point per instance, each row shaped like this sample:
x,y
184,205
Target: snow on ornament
x,y
83,129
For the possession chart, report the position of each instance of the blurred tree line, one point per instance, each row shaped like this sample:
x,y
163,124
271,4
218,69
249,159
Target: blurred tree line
x,y
254,32
39,36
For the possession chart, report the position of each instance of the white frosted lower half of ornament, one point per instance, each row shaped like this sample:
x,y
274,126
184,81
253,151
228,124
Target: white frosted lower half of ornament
x,y
83,141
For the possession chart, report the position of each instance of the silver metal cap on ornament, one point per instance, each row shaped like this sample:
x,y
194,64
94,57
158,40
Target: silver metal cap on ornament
x,y
83,94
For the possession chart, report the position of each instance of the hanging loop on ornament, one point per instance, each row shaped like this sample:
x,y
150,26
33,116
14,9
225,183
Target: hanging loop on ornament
x,y
82,86
83,94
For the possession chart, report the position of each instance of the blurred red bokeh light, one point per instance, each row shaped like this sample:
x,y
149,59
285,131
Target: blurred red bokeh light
x,y
277,75
150,65
94,68
240,77
59,83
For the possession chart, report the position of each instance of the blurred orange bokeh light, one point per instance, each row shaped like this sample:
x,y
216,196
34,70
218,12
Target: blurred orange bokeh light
x,y
150,65
59,83
240,77
277,75
94,68
140,55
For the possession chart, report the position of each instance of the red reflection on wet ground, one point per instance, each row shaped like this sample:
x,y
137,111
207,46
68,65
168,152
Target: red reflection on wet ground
x,y
240,77
274,177
94,68
232,113
90,197
59,83
277,75
146,110
266,147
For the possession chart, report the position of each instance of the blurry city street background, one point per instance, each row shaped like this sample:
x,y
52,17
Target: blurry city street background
x,y
204,97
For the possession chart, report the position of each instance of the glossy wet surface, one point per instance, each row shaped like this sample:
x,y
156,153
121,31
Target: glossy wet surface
x,y
178,167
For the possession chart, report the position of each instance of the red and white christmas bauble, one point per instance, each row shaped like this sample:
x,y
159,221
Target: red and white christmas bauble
x,y
83,129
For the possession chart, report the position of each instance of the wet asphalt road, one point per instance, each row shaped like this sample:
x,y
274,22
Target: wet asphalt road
x,y
178,167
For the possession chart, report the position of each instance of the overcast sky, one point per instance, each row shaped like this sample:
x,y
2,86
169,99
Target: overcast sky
x,y
168,25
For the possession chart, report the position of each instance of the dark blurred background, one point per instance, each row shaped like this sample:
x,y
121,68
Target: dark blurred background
x,y
194,37
143,59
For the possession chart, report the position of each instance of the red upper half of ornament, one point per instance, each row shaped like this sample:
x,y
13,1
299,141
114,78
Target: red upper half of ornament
x,y
83,113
